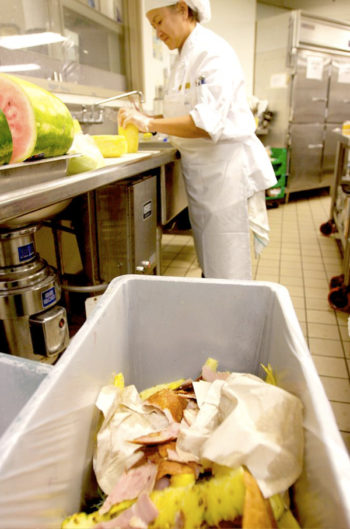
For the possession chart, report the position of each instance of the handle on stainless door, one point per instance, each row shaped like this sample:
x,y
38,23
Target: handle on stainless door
x,y
319,99
315,146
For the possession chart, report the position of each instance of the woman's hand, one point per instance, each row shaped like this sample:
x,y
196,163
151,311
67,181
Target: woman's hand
x,y
127,116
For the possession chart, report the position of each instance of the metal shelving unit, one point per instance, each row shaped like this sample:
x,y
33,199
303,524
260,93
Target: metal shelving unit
x,y
339,223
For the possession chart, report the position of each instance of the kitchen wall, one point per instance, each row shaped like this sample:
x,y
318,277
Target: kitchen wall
x,y
338,9
237,26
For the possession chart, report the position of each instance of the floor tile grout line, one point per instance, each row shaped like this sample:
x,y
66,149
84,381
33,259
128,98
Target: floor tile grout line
x,y
302,274
325,270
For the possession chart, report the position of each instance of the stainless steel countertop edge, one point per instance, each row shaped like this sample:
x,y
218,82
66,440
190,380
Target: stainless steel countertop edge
x,y
32,198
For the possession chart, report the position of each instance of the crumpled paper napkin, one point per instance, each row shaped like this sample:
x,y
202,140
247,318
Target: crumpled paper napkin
x,y
244,421
126,417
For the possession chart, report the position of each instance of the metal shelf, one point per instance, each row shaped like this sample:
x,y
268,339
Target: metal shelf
x,y
44,182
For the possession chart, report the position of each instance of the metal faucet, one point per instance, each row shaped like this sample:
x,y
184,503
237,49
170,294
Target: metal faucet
x,y
91,116
121,96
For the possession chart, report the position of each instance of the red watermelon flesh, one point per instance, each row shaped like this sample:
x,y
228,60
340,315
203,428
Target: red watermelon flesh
x,y
40,122
20,118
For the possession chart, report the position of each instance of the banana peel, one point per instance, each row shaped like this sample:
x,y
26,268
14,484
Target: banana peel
x,y
229,495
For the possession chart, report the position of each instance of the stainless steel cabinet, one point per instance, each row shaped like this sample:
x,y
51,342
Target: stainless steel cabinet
x,y
306,152
303,65
339,90
86,47
309,87
126,226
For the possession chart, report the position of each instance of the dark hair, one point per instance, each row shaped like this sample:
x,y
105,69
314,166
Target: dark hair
x,y
192,13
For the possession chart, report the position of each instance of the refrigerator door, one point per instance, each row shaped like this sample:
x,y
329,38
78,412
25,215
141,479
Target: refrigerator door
x,y
306,143
310,86
330,148
339,90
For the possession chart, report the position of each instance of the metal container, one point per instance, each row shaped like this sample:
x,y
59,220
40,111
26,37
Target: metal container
x,y
17,247
28,295
159,329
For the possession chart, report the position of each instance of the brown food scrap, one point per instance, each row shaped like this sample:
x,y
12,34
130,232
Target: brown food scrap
x,y
172,468
186,385
163,449
186,394
257,511
167,398
236,524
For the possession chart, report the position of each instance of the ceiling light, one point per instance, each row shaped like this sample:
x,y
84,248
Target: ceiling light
x,y
16,42
19,67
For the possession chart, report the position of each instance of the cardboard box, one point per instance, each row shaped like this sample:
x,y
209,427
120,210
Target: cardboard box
x,y
157,329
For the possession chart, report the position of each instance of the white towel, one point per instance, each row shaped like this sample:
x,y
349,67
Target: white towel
x,y
258,221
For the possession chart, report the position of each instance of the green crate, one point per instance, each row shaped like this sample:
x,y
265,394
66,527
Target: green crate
x,y
281,185
278,159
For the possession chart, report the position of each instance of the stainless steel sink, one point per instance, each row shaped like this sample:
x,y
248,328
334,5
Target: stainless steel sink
x,y
27,175
36,216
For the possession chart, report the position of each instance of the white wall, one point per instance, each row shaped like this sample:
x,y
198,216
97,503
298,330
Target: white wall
x,y
234,20
265,11
154,67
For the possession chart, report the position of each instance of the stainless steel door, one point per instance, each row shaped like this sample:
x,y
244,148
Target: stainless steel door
x,y
330,148
309,87
144,219
339,90
126,220
305,155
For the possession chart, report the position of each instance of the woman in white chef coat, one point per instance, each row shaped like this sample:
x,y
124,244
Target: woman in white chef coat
x,y
207,116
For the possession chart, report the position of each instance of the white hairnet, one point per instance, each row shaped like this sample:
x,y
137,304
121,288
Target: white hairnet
x,y
201,6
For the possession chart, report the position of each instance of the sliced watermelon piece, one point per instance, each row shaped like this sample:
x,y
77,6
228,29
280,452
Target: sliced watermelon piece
x,y
5,140
40,123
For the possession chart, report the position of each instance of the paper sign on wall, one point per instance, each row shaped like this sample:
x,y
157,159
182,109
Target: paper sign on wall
x,y
344,73
314,68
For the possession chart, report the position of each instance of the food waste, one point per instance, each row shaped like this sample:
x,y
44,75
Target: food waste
x,y
167,457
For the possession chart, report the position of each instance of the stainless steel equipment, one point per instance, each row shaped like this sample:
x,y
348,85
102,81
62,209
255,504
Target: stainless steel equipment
x,y
339,223
32,325
303,70
126,223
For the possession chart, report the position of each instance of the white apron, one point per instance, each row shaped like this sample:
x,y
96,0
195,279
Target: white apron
x,y
217,191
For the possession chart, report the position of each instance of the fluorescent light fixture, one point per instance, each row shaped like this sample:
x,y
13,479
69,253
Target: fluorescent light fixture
x,y
16,42
19,67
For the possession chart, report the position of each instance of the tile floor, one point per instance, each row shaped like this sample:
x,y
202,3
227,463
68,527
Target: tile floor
x,y
303,260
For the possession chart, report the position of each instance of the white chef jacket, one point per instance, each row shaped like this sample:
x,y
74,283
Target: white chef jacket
x,y
223,171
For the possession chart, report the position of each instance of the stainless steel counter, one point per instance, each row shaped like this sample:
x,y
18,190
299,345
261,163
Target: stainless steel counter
x,y
26,195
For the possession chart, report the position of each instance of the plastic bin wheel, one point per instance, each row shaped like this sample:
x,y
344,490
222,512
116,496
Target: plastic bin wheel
x,y
327,228
336,281
339,299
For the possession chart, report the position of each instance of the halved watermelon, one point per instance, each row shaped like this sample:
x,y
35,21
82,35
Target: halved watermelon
x,y
40,123
5,140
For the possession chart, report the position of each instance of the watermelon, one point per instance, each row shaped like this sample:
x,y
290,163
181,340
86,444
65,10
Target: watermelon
x,y
5,140
40,123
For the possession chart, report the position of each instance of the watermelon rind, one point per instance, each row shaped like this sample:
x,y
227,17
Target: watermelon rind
x,y
5,140
53,123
